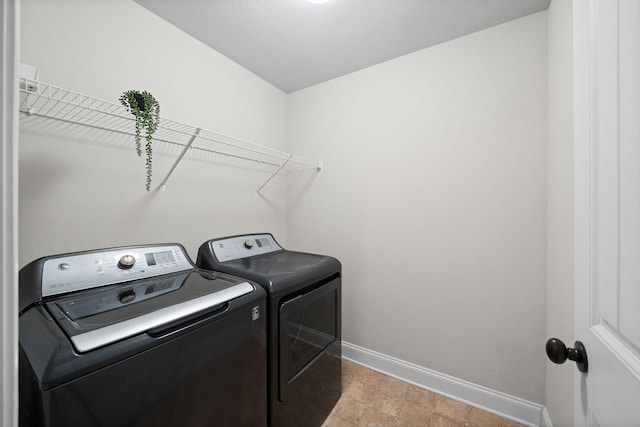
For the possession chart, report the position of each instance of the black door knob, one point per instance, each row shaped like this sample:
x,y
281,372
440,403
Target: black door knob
x,y
558,353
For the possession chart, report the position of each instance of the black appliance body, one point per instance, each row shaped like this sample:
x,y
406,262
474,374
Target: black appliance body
x,y
137,336
304,317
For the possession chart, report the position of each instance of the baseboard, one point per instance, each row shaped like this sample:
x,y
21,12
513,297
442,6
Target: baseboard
x,y
546,419
507,406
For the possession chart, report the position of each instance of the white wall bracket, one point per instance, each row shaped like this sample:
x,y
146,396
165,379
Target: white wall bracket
x,y
179,158
274,174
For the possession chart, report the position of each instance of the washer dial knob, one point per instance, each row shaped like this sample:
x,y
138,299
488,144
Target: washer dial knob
x,y
126,297
248,243
126,262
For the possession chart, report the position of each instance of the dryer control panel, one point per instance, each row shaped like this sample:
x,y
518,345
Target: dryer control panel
x,y
236,247
74,272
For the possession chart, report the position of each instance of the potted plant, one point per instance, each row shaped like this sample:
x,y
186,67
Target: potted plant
x,y
146,110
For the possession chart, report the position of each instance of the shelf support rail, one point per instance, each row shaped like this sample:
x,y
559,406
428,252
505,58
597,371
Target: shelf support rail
x,y
274,174
184,151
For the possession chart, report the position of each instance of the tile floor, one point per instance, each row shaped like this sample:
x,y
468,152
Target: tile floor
x,y
370,398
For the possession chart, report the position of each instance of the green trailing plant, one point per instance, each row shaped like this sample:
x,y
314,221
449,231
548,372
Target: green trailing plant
x,y
146,110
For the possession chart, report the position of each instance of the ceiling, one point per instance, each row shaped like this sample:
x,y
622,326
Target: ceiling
x,y
294,44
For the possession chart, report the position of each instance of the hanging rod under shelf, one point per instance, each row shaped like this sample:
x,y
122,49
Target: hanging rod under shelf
x,y
51,102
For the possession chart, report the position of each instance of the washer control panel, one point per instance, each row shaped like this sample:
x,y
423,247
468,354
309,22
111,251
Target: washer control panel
x,y
231,248
75,272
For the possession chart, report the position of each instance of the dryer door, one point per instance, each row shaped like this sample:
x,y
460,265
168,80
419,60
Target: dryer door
x,y
308,324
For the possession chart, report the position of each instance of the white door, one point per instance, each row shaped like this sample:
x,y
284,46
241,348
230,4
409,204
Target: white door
x,y
607,210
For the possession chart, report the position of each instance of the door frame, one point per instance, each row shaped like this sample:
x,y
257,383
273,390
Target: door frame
x,y
9,39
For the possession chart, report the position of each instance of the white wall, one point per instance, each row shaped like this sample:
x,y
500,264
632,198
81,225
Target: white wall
x,y
434,198
80,189
559,379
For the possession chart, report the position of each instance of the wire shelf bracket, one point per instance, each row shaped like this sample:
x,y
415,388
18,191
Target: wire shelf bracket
x,y
179,158
274,174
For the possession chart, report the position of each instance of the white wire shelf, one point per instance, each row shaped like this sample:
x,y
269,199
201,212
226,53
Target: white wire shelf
x,y
48,101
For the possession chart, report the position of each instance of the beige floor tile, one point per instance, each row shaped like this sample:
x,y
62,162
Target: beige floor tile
x,y
373,378
349,367
479,418
387,403
413,414
334,421
372,417
451,408
349,409
372,399
362,373
393,386
346,380
359,390
421,396
442,421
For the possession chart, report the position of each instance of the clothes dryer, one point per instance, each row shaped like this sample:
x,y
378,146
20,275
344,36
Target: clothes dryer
x,y
304,321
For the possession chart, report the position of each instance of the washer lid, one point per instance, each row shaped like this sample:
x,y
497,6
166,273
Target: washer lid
x,y
282,271
101,316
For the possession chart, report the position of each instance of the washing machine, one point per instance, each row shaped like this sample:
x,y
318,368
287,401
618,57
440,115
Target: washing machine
x,y
304,321
137,336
